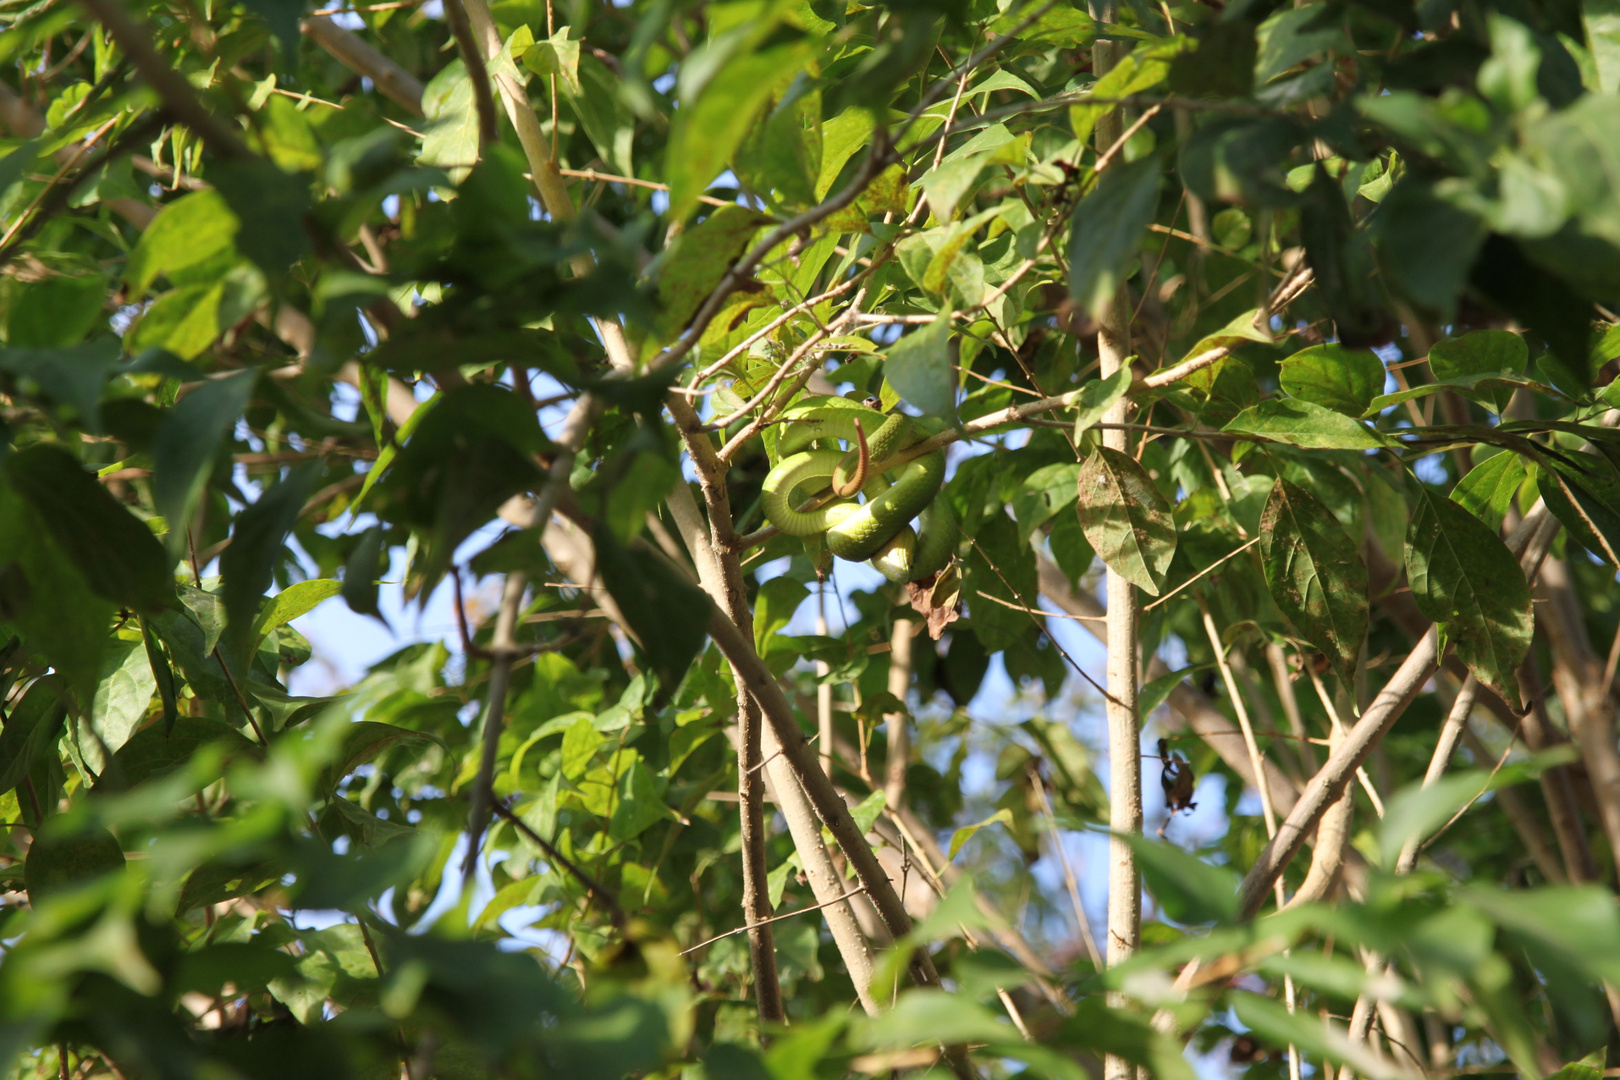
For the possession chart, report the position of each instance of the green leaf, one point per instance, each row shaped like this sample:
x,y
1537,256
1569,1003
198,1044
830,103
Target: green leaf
x,y
1189,889
842,138
919,368
1462,575
1488,490
272,206
31,730
187,442
1583,491
965,833
1125,518
258,541
121,701
57,312
72,377
64,855
193,229
117,554
558,55
152,752
1313,1036
1098,396
282,17
361,572
1305,424
1043,493
1158,691
667,615
451,138
43,594
705,132
1315,574
696,262
162,674
1107,231
1417,810
1344,380
866,812
1480,353
609,125
297,599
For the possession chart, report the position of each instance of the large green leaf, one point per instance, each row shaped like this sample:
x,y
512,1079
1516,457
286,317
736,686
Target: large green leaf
x,y
1462,575
1315,574
116,553
1344,380
707,131
919,368
193,229
1107,230
45,597
696,262
1482,352
1125,518
192,434
1303,423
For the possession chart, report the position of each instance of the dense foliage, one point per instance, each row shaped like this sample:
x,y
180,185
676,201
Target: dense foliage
x,y
302,306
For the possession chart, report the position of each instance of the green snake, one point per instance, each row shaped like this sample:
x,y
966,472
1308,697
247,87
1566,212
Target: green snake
x,y
811,465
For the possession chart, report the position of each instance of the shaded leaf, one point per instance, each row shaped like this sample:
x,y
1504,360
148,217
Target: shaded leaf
x,y
117,554
1315,574
1125,518
1462,575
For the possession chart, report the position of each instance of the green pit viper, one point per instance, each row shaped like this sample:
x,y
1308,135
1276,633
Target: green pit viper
x,y
811,464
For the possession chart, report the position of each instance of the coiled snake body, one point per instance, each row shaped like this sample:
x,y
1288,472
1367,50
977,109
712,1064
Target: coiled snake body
x,y
810,464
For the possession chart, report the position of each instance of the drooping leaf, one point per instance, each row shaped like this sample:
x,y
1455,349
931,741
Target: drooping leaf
x,y
698,260
32,726
708,130
1315,574
965,833
64,855
1125,518
1464,576
297,599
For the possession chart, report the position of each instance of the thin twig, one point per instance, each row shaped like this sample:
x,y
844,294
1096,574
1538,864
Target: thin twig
x,y
592,888
857,891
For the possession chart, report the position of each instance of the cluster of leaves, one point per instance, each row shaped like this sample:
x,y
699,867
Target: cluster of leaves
x,y
212,359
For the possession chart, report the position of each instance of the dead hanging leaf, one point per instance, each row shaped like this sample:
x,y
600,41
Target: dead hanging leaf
x,y
937,600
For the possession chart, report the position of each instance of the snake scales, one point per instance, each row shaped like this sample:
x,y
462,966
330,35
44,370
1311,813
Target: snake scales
x,y
811,466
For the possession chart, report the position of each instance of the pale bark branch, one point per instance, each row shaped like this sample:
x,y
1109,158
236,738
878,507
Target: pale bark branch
x,y
356,54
